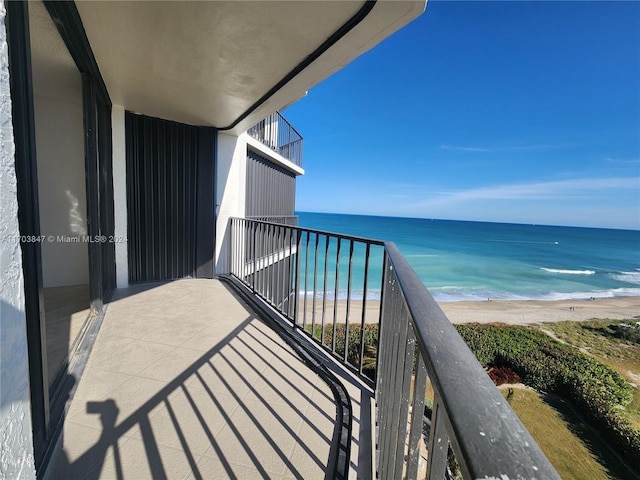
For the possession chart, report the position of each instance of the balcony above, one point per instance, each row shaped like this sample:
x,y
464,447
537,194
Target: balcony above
x,y
276,133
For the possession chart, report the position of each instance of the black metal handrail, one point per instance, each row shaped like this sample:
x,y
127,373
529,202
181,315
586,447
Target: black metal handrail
x,y
279,135
298,271
417,341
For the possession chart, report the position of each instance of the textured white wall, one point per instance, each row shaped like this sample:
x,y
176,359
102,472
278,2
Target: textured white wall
x,y
16,451
231,180
120,194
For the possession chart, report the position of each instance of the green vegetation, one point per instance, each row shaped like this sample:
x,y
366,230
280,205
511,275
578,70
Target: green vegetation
x,y
569,443
610,342
545,364
353,344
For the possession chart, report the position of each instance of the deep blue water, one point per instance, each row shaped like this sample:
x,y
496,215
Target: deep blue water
x,y
460,260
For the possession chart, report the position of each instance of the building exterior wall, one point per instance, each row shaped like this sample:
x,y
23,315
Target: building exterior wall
x,y
251,180
16,444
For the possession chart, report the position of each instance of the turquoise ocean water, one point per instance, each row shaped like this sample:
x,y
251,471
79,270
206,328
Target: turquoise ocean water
x,y
460,260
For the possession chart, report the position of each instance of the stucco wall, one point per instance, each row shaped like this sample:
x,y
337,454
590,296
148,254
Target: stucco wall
x,y
16,451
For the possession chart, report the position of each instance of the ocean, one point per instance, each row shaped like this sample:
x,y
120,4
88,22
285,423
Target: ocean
x,y
461,260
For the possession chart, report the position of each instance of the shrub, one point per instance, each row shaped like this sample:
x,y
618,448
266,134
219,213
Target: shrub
x,y
501,375
353,345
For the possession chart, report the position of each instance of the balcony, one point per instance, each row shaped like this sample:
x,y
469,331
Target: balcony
x,y
279,135
246,376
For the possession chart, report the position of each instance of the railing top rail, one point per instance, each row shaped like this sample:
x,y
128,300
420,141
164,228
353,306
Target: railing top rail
x,y
487,436
282,117
342,236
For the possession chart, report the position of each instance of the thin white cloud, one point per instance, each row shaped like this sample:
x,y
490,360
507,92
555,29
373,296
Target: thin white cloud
x,y
512,148
464,149
620,160
532,191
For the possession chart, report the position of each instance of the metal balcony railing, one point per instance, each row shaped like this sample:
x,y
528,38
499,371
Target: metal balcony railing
x,y
291,220
279,135
310,278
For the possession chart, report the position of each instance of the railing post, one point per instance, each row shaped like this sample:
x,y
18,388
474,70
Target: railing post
x,y
364,305
297,278
417,414
255,258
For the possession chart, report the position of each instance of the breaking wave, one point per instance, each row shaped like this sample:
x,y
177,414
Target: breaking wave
x,y
569,272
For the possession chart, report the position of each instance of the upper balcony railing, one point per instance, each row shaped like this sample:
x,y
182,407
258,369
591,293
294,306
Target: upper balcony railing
x,y
292,220
279,135
333,287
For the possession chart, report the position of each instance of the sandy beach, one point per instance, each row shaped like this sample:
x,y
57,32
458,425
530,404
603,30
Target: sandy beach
x,y
534,311
514,312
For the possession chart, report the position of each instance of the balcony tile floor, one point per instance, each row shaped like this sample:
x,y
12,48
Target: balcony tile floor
x,y
184,382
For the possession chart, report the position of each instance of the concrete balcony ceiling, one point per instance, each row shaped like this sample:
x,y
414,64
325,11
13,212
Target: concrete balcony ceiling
x,y
211,63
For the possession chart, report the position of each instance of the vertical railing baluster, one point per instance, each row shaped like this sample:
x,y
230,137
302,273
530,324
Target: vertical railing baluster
x,y
335,297
273,266
315,286
417,414
384,336
276,266
306,282
290,285
438,443
263,259
346,320
399,345
409,341
255,256
285,278
297,278
364,304
391,334
324,288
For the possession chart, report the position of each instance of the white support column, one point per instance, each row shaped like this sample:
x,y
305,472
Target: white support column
x,y
231,183
120,195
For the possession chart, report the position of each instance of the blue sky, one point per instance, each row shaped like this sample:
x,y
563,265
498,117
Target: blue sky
x,y
525,112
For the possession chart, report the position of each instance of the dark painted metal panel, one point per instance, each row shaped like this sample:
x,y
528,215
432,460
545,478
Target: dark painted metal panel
x,y
106,204
205,233
93,191
69,24
170,202
271,189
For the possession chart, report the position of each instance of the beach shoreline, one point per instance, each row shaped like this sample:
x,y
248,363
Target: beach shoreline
x,y
522,312
512,312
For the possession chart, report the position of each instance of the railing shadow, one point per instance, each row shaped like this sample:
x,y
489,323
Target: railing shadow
x,y
260,413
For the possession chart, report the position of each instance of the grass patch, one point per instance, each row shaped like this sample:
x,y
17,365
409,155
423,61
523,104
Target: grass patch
x,y
570,445
607,342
